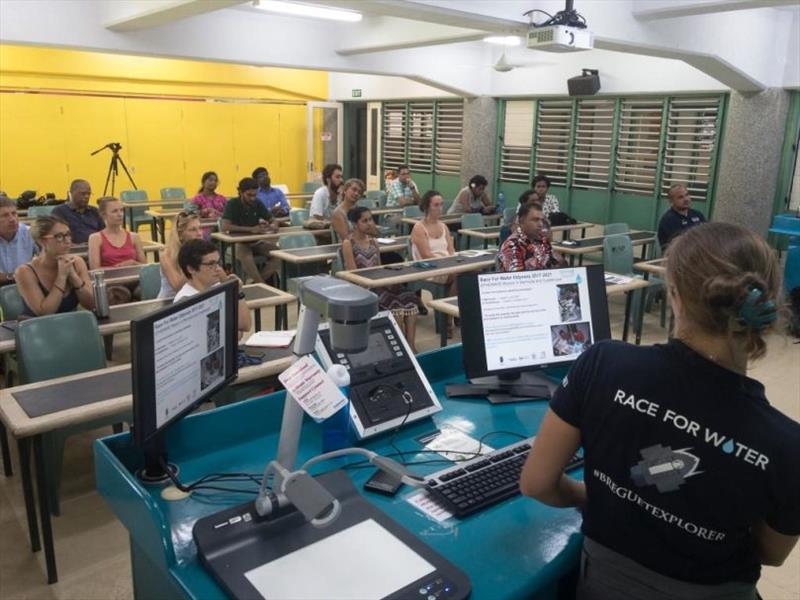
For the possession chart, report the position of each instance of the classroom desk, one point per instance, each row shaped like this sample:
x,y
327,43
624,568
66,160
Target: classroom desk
x,y
449,306
158,222
595,244
128,207
517,549
486,234
84,398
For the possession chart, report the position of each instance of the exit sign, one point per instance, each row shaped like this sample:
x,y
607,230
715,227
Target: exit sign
x,y
356,93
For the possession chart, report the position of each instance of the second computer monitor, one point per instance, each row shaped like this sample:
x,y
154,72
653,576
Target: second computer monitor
x,y
529,320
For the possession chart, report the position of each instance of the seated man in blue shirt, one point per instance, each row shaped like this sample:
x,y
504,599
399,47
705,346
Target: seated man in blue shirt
x,y
272,198
679,217
83,220
16,243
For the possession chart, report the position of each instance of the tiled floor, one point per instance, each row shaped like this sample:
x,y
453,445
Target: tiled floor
x,y
92,546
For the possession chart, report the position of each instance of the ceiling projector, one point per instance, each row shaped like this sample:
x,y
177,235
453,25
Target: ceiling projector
x,y
560,38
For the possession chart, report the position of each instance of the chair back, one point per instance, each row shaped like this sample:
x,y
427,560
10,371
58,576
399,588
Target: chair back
x,y
150,281
412,211
509,214
615,228
788,221
791,272
505,232
282,187
40,211
338,262
58,345
133,196
10,302
173,193
618,254
298,240
446,204
471,221
309,187
369,203
298,216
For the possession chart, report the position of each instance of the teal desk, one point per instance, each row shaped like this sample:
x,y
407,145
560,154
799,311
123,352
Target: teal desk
x,y
516,549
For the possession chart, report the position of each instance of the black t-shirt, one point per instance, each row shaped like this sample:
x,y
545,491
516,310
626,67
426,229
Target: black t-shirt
x,y
239,212
673,223
682,457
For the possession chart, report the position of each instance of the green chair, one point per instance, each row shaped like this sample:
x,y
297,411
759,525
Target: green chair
x,y
288,242
378,195
338,263
150,281
309,187
57,346
509,214
11,306
173,193
446,204
298,216
412,211
370,203
615,228
139,196
471,221
40,211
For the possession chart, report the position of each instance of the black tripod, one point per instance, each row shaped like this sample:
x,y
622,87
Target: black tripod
x,y
113,167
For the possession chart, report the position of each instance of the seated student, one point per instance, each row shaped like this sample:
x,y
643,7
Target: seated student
x,y
352,190
200,263
115,247
473,198
360,251
209,203
527,248
16,243
691,476
246,214
83,220
186,227
524,198
679,217
54,281
272,198
326,197
404,191
541,185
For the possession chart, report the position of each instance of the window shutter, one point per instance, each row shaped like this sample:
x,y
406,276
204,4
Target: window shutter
x,y
449,136
394,135
637,146
552,140
691,136
515,149
592,154
420,136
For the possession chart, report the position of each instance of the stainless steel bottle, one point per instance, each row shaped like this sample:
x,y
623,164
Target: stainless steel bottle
x,y
100,295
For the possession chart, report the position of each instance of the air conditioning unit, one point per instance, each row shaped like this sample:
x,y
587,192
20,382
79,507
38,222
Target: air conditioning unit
x,y
560,38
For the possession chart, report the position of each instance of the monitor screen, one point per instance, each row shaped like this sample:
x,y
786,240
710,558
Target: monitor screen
x,y
181,355
513,322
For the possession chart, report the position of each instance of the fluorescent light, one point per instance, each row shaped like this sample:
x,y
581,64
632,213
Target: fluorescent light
x,y
503,40
307,10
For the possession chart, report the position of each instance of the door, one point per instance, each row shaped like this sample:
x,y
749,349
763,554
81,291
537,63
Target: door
x,y
325,137
374,175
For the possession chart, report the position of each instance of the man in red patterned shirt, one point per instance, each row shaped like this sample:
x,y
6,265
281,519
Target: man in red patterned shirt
x,y
528,248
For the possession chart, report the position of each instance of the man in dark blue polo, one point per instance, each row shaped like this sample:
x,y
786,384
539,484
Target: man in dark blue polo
x,y
679,217
83,220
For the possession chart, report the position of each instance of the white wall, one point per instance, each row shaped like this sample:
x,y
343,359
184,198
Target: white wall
x,y
379,87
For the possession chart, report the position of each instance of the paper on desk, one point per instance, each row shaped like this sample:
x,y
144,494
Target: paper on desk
x,y
615,279
423,502
456,445
473,253
313,390
382,240
271,339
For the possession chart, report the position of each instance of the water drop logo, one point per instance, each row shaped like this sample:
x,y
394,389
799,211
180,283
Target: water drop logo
x,y
728,446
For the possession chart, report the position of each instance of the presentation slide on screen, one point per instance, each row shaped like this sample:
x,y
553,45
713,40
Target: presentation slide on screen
x,y
534,317
189,355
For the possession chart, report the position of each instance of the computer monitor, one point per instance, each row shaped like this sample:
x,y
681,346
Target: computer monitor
x,y
514,324
180,356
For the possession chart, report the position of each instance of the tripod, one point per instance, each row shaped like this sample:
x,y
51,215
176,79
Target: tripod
x,y
113,167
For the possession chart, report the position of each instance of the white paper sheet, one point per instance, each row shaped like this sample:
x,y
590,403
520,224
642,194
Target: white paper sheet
x,y
271,339
312,389
456,445
423,502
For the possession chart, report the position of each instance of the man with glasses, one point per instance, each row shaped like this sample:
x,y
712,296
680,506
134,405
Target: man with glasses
x,y
16,243
83,220
199,261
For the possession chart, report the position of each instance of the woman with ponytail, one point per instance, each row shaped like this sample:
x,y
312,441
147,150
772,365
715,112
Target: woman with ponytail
x,y
691,477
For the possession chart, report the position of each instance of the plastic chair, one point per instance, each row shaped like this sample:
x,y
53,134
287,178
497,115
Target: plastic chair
x,y
57,346
173,193
369,203
791,271
309,187
10,302
300,240
412,211
446,204
338,263
298,216
150,281
509,214
40,211
378,195
138,213
471,221
615,228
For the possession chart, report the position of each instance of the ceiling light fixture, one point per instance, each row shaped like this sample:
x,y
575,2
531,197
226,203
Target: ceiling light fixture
x,y
296,9
503,40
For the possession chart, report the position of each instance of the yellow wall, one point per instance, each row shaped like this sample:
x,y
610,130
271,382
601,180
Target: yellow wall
x,y
175,119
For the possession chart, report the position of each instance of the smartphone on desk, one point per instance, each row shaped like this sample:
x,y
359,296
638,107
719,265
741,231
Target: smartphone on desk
x,y
394,267
424,265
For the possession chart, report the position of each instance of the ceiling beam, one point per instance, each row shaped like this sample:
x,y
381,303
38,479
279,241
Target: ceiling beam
x,y
672,9
162,13
412,42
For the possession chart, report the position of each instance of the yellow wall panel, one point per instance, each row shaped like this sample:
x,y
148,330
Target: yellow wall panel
x,y
208,145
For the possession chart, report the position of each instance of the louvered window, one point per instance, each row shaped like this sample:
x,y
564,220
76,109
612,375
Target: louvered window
x,y
420,136
515,150
690,146
552,140
394,135
592,157
449,135
637,146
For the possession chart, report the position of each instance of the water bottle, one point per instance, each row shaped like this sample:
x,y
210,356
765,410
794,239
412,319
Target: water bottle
x,y
100,295
336,428
501,203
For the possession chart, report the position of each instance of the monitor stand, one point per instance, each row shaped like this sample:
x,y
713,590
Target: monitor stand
x,y
522,387
155,457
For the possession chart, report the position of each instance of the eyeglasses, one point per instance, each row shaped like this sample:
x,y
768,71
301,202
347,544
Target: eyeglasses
x,y
60,237
212,263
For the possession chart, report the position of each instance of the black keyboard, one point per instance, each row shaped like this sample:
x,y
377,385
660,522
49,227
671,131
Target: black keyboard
x,y
485,480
